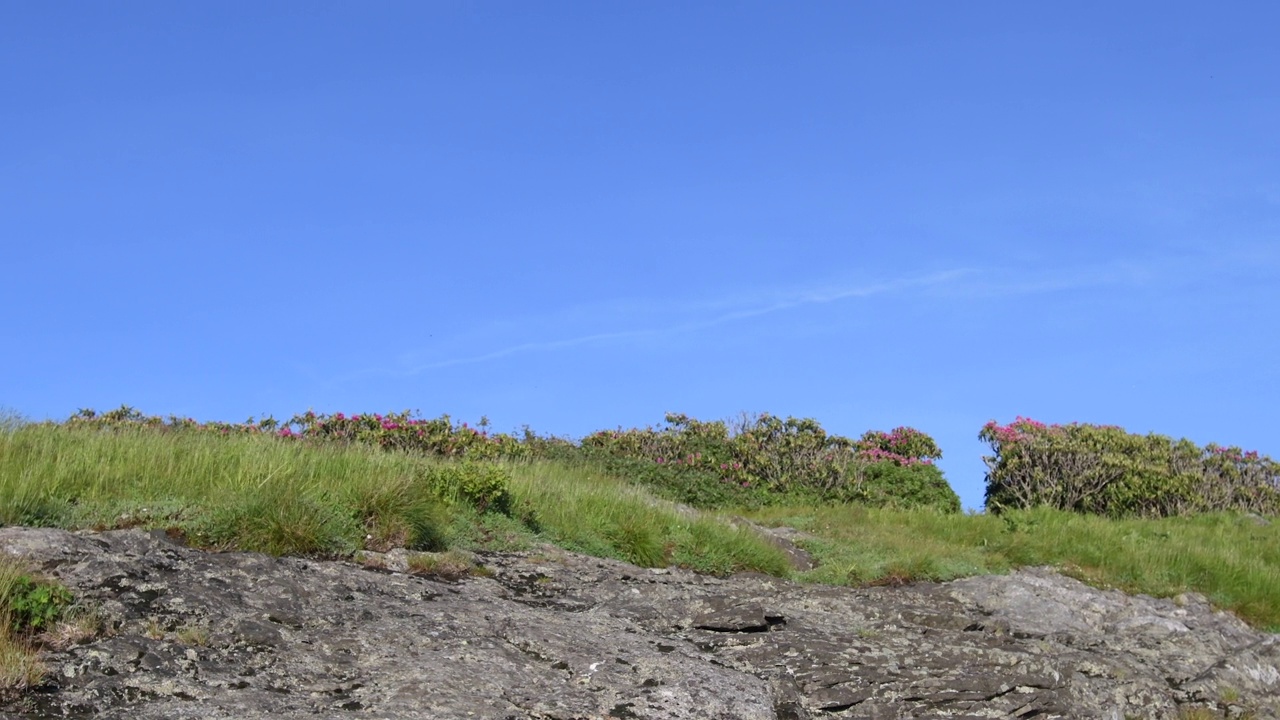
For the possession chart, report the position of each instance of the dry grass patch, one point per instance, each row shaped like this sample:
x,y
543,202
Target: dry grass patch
x,y
450,565
20,666
193,635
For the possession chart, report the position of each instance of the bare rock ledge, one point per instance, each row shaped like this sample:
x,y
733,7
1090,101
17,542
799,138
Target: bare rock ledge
x,y
554,635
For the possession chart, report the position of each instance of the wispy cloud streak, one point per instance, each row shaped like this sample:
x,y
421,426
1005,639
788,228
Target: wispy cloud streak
x,y
963,282
798,300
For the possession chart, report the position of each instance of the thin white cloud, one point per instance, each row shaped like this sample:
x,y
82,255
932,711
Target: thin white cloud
x,y
531,347
746,310
701,315
1004,283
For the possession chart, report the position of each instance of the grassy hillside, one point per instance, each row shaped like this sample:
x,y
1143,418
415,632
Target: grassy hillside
x,y
260,492
254,492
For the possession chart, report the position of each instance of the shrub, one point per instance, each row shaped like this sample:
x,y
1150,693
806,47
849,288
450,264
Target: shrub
x,y
793,455
916,485
126,418
402,431
684,483
405,432
903,446
763,458
687,461
484,486
1104,470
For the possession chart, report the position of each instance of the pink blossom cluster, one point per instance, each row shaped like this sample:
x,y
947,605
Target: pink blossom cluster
x,y
1018,430
1234,453
877,455
902,445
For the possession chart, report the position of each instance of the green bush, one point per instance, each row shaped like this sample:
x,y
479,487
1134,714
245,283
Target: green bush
x,y
402,431
682,483
765,459
405,432
1104,470
484,486
887,484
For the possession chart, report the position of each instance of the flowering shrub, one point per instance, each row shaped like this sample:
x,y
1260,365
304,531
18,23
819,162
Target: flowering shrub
x,y
902,446
127,418
688,461
394,431
763,458
402,431
1104,470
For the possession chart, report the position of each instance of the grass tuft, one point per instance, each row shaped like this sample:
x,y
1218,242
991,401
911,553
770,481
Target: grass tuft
x,y
451,565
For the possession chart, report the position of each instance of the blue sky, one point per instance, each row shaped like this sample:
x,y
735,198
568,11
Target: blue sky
x,y
583,215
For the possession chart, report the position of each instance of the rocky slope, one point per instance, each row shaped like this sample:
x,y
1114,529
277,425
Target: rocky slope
x,y
556,635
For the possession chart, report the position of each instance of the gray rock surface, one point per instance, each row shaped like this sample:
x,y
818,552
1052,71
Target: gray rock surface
x,y
554,635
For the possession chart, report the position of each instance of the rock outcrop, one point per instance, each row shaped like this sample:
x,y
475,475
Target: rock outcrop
x,y
554,635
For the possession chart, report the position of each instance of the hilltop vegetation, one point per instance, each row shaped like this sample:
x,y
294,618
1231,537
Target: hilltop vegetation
x,y
1101,469
1095,502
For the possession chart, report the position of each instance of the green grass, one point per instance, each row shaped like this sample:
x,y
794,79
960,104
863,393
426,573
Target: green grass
x,y
260,493
251,493
580,508
1232,560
